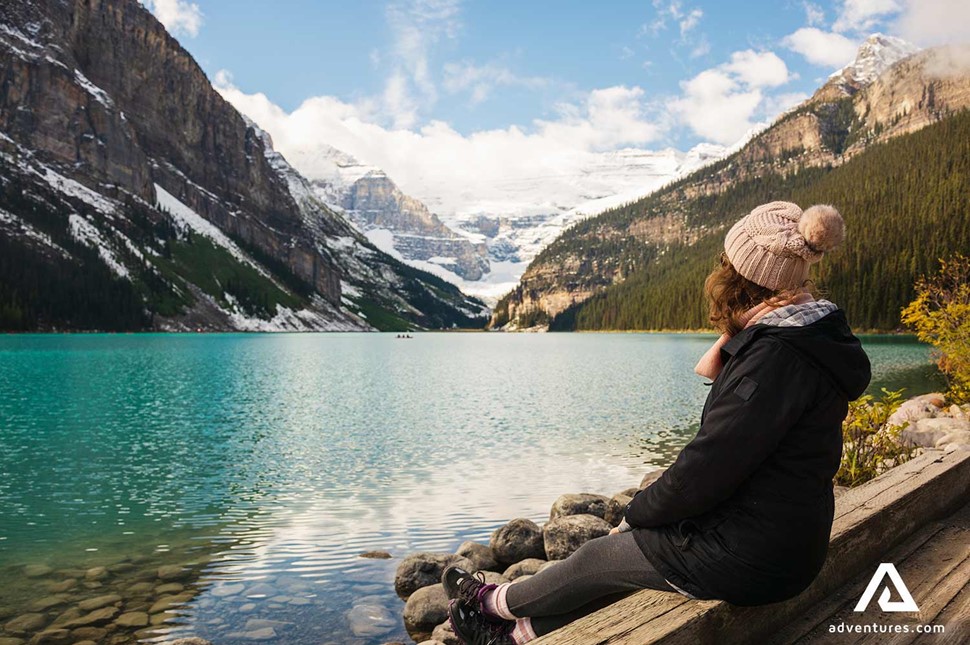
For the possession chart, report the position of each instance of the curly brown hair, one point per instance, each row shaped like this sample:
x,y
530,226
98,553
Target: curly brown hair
x,y
731,294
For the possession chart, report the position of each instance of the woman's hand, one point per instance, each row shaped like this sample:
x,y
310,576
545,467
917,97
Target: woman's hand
x,y
614,530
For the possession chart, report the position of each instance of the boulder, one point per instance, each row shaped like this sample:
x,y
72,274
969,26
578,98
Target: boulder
x,y
67,616
953,447
579,504
424,569
43,604
629,492
94,619
226,589
37,570
376,555
63,585
956,412
550,563
527,567
132,619
521,579
651,477
95,574
89,633
929,431
615,508
97,603
839,491
563,535
493,578
911,411
31,622
52,637
956,436
444,634
937,399
172,572
480,554
516,541
369,618
263,634
426,608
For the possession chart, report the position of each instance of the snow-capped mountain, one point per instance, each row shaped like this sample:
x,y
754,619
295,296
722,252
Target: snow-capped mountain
x,y
877,53
394,222
482,237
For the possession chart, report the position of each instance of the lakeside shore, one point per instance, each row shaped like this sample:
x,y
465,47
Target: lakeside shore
x,y
521,548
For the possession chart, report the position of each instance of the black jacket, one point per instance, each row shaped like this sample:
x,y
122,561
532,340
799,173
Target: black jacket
x,y
745,511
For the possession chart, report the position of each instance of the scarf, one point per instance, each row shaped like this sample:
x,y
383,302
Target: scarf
x,y
711,364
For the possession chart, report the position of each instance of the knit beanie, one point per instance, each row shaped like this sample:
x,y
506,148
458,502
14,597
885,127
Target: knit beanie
x,y
774,245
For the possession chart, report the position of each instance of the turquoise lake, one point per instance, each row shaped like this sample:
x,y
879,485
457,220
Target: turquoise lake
x,y
271,462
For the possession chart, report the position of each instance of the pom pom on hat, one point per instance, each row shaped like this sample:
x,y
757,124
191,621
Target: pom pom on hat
x,y
822,227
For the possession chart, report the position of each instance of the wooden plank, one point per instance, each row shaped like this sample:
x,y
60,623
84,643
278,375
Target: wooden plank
x,y
955,618
623,616
871,519
930,575
861,495
822,613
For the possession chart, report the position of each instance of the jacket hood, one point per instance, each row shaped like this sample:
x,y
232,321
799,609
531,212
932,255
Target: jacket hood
x,y
828,344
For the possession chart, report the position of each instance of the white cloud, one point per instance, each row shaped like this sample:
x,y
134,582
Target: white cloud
x,y
934,22
416,25
178,16
721,104
480,80
863,15
822,48
438,155
814,14
690,21
758,69
702,47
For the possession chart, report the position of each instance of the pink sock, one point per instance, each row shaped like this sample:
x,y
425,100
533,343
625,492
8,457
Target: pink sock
x,y
494,602
523,632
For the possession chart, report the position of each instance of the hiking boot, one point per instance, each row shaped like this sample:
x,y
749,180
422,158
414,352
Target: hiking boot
x,y
467,587
473,627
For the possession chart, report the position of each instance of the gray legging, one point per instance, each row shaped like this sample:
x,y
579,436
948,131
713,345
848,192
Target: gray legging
x,y
599,573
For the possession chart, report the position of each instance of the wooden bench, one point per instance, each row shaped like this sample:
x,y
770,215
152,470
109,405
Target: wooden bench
x,y
869,521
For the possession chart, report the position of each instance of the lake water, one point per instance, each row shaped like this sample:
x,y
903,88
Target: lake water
x,y
270,462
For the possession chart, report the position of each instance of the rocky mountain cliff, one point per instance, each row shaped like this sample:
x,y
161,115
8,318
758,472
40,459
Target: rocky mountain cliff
x,y
397,223
887,92
122,167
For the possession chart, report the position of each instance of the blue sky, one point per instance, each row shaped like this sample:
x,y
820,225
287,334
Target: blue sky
x,y
291,50
559,49
394,82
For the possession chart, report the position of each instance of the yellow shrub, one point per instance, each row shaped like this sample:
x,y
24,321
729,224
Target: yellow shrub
x,y
940,315
869,445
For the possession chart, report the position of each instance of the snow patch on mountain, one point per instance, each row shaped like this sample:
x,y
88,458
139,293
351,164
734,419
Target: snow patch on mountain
x,y
88,234
878,53
194,222
17,226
